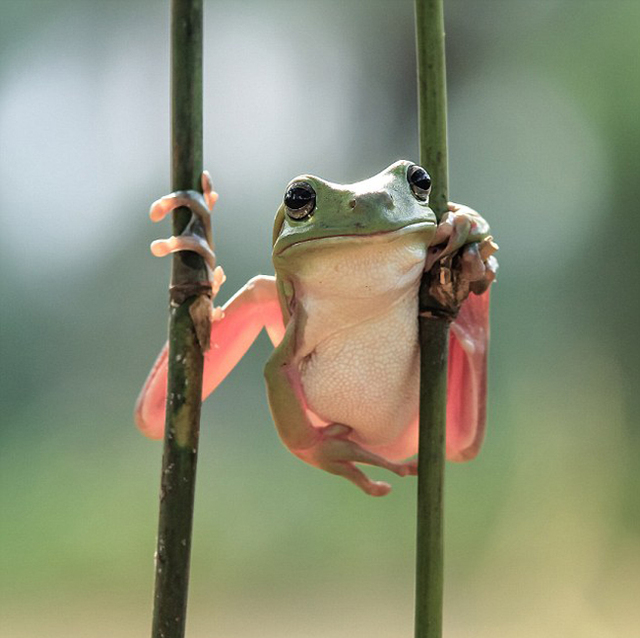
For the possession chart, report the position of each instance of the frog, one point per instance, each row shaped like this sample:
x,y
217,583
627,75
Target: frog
x,y
342,313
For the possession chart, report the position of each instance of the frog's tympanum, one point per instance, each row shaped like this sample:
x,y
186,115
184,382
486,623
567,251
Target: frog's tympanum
x,y
342,313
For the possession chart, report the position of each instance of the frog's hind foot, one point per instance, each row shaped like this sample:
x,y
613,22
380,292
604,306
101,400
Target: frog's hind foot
x,y
336,454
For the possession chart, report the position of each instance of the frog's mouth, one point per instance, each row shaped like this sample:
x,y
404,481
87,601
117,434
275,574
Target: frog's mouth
x,y
384,235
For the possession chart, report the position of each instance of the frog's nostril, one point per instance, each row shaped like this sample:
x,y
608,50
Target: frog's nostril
x,y
352,203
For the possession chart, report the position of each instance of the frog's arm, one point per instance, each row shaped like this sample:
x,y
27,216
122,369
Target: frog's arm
x,y
253,307
462,228
467,378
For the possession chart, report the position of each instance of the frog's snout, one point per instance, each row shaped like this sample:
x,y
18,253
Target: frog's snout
x,y
371,201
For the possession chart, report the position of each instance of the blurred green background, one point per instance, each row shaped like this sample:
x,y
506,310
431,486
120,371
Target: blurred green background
x,y
542,529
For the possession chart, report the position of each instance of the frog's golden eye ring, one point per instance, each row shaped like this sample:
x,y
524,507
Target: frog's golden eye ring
x,y
300,200
419,181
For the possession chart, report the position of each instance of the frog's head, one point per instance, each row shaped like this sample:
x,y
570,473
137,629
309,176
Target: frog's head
x,y
393,201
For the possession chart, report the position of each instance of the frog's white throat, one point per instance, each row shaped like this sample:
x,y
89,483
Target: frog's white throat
x,y
376,268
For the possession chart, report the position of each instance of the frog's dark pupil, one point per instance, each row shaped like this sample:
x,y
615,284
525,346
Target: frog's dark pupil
x,y
420,179
297,197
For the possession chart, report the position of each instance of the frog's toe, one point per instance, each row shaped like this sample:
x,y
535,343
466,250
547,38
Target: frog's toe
x,y
378,488
359,478
162,247
472,266
210,196
478,265
193,200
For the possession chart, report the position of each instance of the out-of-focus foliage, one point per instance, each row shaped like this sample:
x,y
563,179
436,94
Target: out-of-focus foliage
x,y
543,530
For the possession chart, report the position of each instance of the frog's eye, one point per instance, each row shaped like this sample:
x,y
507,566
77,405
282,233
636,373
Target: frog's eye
x,y
300,200
419,181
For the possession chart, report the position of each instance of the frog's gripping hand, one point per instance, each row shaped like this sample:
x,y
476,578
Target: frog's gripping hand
x,y
200,206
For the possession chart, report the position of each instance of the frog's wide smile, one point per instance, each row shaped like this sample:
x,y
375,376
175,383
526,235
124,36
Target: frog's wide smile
x,y
383,235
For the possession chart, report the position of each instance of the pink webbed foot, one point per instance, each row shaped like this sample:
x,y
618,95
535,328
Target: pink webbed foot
x,y
334,452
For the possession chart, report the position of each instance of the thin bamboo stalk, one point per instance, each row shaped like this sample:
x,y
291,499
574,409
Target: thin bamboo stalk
x,y
434,329
184,391
432,100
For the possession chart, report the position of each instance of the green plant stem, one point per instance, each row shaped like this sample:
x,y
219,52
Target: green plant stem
x,y
432,100
434,336
434,329
184,390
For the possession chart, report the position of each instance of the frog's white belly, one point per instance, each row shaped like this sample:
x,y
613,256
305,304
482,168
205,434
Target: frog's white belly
x,y
366,376
358,356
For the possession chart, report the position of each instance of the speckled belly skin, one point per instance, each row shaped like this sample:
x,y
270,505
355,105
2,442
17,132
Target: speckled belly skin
x,y
359,363
380,402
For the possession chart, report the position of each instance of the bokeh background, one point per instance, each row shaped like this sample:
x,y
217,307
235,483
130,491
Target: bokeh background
x,y
542,529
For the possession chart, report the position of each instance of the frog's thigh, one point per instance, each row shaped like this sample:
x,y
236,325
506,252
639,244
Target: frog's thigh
x,y
286,399
253,307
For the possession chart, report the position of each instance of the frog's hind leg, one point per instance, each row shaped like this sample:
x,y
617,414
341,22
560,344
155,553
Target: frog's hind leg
x,y
253,307
328,448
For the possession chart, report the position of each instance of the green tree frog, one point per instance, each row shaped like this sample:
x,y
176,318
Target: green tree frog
x,y
342,313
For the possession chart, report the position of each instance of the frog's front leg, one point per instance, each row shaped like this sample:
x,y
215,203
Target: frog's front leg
x,y
328,448
463,237
240,320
